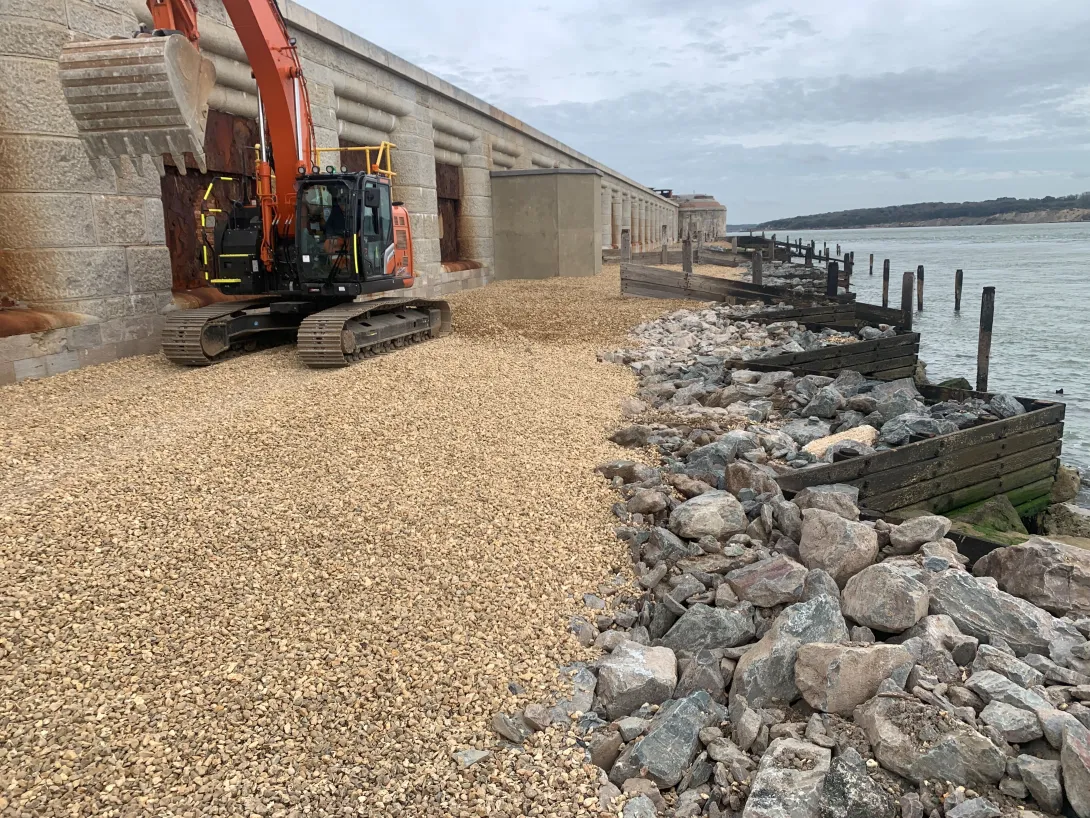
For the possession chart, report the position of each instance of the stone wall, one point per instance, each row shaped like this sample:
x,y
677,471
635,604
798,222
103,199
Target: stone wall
x,y
76,242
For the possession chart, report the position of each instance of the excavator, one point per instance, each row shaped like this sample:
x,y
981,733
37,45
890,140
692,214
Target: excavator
x,y
298,253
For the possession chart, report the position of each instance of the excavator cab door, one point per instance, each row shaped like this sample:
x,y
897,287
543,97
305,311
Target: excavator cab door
x,y
376,236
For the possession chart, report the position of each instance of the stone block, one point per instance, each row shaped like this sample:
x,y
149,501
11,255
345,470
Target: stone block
x,y
99,355
40,164
476,207
98,22
43,111
24,37
52,11
102,308
61,362
86,336
155,222
45,220
147,184
414,168
417,200
120,220
149,268
64,274
30,368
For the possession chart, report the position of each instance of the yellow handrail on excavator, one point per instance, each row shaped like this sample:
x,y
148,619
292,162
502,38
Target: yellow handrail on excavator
x,y
382,163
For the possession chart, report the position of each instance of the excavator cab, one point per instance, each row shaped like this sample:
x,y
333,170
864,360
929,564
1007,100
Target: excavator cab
x,y
345,237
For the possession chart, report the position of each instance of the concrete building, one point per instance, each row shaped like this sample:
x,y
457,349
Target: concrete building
x,y
89,264
700,214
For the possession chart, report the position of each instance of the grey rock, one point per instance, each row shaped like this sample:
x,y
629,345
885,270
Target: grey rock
x,y
1054,672
765,674
839,678
838,498
702,673
663,546
858,633
990,686
805,431
1013,787
989,658
896,729
1051,575
839,546
671,743
742,475
632,436
628,470
634,675
715,514
512,729
467,758
783,788
974,808
1067,519
899,430
911,806
706,627
1075,763
983,611
639,807
646,501
603,747
1015,725
898,404
1005,406
536,717
849,792
849,382
788,518
884,598
907,537
941,632
825,404
771,582
1043,780
1054,723
819,583
632,726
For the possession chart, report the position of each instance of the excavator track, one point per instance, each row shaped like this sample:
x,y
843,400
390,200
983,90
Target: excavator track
x,y
344,334
184,341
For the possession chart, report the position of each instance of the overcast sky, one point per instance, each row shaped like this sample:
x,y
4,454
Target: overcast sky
x,y
778,107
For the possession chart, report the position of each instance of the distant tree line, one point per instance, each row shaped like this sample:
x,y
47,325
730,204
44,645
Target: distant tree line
x,y
925,211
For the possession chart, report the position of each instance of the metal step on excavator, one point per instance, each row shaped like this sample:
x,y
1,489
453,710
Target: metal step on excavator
x,y
298,253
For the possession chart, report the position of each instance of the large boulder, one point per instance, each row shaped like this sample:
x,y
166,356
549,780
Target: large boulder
x,y
789,782
841,547
849,792
981,610
771,582
1067,485
1075,762
634,675
907,537
1051,575
765,674
742,474
885,599
921,743
805,431
1043,780
839,678
837,497
995,519
671,742
712,514
702,626
940,632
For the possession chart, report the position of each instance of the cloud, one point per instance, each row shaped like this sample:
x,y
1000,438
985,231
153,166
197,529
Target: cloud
x,y
831,103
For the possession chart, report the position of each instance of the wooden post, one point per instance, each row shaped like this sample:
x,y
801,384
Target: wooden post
x,y
838,249
984,341
849,266
686,255
832,279
665,258
734,244
809,257
919,288
885,283
872,263
626,245
906,300
696,248
758,268
958,277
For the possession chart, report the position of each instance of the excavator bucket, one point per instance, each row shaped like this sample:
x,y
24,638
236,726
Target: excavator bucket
x,y
145,95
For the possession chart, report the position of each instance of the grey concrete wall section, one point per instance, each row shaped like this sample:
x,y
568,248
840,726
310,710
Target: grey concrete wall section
x,y
526,225
579,251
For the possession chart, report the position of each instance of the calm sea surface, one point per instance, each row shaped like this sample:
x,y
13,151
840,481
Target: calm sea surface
x,y
1041,335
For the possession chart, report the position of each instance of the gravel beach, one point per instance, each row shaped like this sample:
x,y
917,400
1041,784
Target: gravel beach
x,y
258,589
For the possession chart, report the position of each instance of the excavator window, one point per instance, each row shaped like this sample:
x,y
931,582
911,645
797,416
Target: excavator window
x,y
325,243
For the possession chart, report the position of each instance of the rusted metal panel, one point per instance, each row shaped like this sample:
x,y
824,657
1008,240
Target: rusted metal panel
x,y
448,181
448,229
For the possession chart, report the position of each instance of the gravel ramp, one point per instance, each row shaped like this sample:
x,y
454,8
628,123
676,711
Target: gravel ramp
x,y
257,589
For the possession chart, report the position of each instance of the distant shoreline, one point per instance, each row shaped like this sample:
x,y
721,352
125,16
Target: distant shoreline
x,y
1068,216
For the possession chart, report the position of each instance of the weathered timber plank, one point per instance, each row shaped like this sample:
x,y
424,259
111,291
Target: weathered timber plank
x,y
1006,484
936,447
894,374
922,470
963,479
